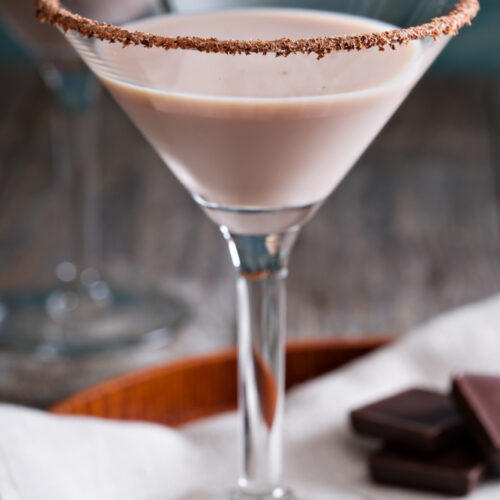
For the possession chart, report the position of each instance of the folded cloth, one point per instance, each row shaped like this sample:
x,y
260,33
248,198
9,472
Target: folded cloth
x,y
44,457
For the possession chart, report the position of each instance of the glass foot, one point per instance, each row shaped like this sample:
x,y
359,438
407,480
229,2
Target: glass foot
x,y
276,494
73,322
306,493
239,495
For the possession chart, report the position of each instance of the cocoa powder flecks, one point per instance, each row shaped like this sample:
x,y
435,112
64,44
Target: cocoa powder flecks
x,y
460,15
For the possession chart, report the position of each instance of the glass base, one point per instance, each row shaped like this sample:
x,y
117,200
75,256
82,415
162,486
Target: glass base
x,y
276,494
66,321
240,495
305,493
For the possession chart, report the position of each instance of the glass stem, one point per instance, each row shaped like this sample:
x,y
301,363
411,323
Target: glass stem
x,y
74,138
261,262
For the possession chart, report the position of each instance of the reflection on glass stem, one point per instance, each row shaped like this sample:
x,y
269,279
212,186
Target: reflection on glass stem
x,y
262,265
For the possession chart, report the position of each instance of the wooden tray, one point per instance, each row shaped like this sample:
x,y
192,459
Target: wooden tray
x,y
193,388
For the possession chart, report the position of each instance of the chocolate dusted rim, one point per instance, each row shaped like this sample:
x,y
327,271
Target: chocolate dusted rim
x,y
461,14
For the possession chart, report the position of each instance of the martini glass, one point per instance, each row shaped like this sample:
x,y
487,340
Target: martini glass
x,y
260,112
82,312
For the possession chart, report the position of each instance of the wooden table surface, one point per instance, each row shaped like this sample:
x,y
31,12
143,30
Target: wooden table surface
x,y
412,231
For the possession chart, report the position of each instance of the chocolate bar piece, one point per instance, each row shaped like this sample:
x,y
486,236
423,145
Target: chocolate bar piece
x,y
416,419
478,396
455,471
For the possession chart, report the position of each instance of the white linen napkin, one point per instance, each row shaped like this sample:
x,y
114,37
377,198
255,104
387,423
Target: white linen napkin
x,y
44,457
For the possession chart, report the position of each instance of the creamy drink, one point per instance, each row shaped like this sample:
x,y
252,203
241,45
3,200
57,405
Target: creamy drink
x,y
259,131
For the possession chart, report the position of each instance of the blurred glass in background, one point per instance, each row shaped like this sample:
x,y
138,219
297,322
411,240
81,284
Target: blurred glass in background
x,y
80,311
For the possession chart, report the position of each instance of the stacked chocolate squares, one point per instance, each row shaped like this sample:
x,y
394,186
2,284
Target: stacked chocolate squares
x,y
433,441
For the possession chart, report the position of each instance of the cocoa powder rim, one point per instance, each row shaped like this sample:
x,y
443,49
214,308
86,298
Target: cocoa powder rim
x,y
460,15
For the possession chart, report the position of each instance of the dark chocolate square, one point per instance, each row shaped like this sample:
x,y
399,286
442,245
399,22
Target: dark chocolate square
x,y
455,471
478,397
416,419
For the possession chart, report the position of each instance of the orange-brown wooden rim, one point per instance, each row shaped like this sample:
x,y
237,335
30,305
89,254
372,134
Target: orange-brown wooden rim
x,y
328,346
461,14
